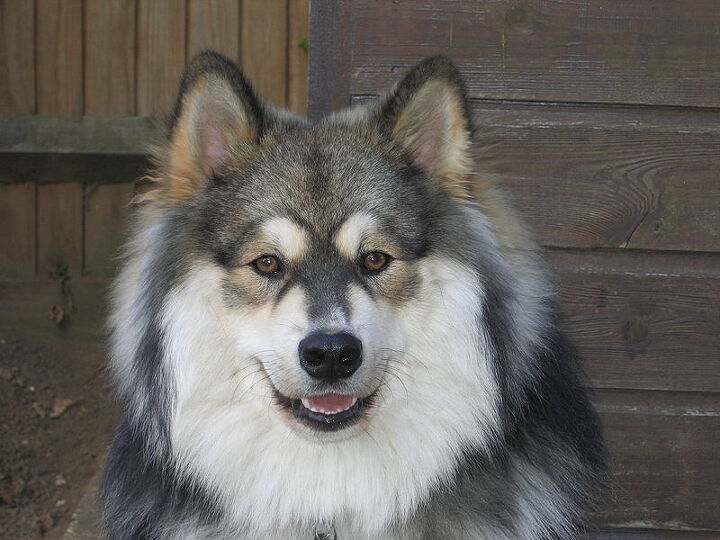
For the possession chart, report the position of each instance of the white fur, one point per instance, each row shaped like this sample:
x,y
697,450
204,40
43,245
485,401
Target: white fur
x,y
351,234
129,319
276,483
287,236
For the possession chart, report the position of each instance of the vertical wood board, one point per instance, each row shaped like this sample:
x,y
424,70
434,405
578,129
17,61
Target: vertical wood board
x,y
17,223
59,227
214,24
106,210
264,47
110,34
298,40
160,53
17,56
59,62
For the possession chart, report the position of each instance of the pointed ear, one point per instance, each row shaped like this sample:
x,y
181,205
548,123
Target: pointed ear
x,y
427,115
216,113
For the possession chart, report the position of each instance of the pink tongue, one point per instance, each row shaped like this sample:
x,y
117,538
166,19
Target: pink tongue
x,y
330,402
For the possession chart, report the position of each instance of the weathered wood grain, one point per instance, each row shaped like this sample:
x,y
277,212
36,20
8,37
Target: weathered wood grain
x,y
17,223
663,449
59,61
662,52
214,24
25,304
109,75
106,212
297,83
78,135
160,54
17,57
592,177
264,47
59,228
643,320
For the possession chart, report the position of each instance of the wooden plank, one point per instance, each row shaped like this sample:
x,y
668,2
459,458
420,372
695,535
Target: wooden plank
x,y
264,47
60,168
109,79
298,13
25,306
662,52
596,177
663,449
160,54
214,24
83,135
59,228
330,51
59,57
643,320
17,221
17,57
106,212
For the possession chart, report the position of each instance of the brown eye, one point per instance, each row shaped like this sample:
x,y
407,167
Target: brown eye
x,y
375,261
267,264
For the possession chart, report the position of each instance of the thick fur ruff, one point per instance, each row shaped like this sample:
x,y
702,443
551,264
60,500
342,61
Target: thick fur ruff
x,y
472,422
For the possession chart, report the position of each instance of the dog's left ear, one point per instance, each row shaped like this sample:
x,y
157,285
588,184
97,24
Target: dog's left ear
x,y
428,116
216,114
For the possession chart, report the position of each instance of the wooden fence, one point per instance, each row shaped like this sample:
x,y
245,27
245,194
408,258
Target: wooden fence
x,y
62,196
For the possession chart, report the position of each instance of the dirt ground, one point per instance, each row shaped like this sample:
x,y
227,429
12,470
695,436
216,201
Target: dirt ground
x,y
56,421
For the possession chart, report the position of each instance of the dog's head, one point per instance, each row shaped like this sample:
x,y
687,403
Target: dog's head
x,y
333,260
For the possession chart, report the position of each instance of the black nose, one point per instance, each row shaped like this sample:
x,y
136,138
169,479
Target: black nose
x,y
330,356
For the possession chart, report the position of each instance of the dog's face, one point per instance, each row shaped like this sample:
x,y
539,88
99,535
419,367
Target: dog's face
x,y
321,239
321,248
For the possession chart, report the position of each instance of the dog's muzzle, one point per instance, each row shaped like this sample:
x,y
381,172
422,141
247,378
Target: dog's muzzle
x,y
328,358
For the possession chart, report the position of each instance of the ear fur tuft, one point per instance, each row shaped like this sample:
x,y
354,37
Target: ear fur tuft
x,y
427,114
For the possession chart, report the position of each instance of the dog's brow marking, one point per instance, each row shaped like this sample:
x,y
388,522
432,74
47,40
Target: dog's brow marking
x,y
290,238
351,233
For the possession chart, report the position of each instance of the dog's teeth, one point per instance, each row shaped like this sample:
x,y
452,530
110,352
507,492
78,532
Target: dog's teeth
x,y
306,404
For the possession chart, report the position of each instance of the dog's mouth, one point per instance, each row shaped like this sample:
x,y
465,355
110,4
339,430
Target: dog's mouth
x,y
328,412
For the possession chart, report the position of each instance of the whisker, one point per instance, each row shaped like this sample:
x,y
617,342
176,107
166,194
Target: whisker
x,y
391,372
265,378
404,353
239,383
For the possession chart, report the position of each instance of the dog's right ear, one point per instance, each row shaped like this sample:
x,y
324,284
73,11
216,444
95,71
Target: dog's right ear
x,y
216,113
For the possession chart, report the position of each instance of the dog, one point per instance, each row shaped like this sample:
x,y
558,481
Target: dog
x,y
339,329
